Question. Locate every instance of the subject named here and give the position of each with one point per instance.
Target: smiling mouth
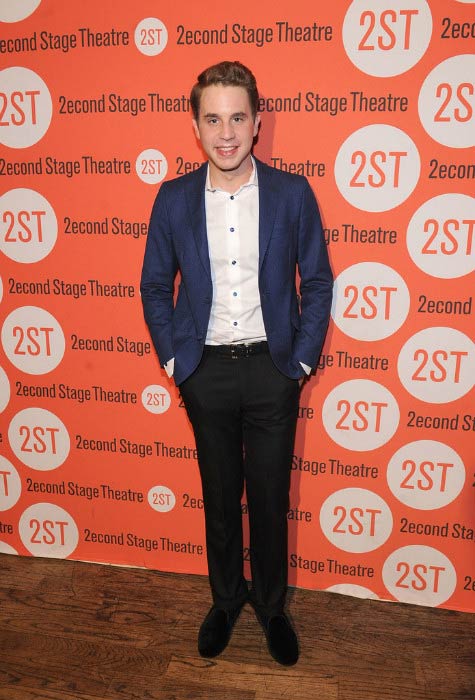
(226, 150)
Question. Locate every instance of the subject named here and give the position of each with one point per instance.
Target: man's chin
(229, 167)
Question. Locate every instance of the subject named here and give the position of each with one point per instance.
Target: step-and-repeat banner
(372, 100)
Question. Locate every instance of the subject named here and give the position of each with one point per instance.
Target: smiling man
(239, 341)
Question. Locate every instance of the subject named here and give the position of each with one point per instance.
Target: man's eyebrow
(212, 115)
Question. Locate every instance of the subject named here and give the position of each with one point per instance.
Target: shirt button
(233, 262)
(235, 323)
(234, 294)
(231, 229)
(231, 197)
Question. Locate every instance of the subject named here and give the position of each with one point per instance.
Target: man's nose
(227, 131)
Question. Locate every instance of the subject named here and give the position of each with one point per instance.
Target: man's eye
(212, 121)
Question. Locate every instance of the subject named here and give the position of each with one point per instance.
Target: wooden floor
(74, 631)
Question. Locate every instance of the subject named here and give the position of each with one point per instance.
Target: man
(238, 341)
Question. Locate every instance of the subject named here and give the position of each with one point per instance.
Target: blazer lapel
(268, 204)
(195, 197)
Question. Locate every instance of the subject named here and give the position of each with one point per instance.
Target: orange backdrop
(374, 102)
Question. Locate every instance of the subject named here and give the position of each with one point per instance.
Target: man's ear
(196, 129)
(257, 122)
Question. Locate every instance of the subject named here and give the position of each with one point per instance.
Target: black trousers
(244, 413)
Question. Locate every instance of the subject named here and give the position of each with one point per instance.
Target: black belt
(239, 349)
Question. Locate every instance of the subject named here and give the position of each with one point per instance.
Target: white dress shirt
(232, 223)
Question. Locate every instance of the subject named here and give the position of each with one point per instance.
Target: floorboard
(78, 631)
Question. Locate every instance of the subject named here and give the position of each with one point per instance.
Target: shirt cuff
(169, 367)
(306, 368)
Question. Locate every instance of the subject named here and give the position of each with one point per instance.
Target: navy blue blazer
(290, 238)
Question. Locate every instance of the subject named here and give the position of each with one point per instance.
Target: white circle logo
(371, 301)
(18, 10)
(386, 37)
(47, 530)
(28, 225)
(354, 590)
(10, 484)
(6, 548)
(420, 575)
(356, 520)
(426, 474)
(377, 167)
(33, 340)
(447, 102)
(39, 439)
(360, 415)
(161, 498)
(441, 236)
(151, 36)
(27, 107)
(437, 365)
(4, 390)
(156, 398)
(151, 166)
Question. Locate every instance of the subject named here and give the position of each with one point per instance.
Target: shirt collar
(252, 180)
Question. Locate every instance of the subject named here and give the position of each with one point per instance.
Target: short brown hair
(225, 73)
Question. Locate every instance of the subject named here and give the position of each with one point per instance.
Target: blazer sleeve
(159, 270)
(316, 282)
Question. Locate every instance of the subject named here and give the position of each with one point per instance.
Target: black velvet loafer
(281, 639)
(215, 631)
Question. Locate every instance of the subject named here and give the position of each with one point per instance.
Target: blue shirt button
(235, 323)
(234, 294)
(233, 262)
(231, 229)
(231, 197)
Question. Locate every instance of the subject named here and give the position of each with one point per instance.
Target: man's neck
(230, 181)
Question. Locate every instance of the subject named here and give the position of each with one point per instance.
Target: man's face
(226, 129)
